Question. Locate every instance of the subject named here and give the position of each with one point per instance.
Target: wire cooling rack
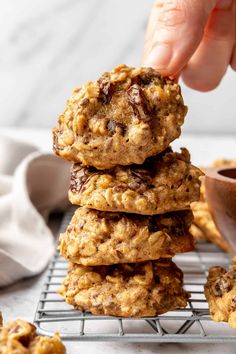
(191, 325)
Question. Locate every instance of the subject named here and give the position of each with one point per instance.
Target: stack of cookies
(133, 194)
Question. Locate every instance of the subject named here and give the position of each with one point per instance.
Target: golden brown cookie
(47, 345)
(220, 292)
(224, 163)
(122, 118)
(164, 183)
(102, 238)
(128, 290)
(19, 337)
(197, 233)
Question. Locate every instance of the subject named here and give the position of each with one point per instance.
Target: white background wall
(47, 47)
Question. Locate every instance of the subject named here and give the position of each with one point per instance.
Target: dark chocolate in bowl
(221, 197)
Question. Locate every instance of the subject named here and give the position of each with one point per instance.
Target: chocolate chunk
(150, 76)
(233, 302)
(106, 90)
(85, 140)
(106, 215)
(222, 286)
(133, 185)
(80, 176)
(141, 175)
(112, 126)
(156, 279)
(119, 254)
(139, 103)
(152, 225)
(84, 102)
(139, 180)
(120, 188)
(137, 186)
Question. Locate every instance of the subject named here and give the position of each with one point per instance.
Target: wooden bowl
(221, 197)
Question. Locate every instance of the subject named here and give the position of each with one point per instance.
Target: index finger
(174, 32)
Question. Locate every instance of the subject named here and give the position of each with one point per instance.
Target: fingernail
(224, 4)
(159, 57)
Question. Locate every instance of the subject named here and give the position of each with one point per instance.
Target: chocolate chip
(217, 289)
(106, 90)
(106, 215)
(152, 225)
(157, 279)
(80, 176)
(149, 76)
(144, 78)
(119, 254)
(222, 286)
(133, 185)
(119, 188)
(138, 102)
(233, 302)
(139, 180)
(85, 140)
(84, 102)
(140, 175)
(137, 186)
(112, 126)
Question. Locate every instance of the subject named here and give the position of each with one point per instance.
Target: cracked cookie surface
(127, 290)
(220, 292)
(121, 119)
(164, 183)
(102, 238)
(19, 337)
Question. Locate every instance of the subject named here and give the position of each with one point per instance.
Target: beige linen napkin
(32, 184)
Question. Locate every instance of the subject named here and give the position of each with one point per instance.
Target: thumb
(174, 32)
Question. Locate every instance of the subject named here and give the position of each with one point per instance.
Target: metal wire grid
(192, 324)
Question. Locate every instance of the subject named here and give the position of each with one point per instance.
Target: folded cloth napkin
(32, 184)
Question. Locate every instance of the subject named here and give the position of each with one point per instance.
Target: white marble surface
(49, 47)
(20, 300)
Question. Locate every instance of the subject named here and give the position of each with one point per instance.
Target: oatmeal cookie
(224, 163)
(122, 118)
(102, 238)
(127, 290)
(19, 337)
(164, 183)
(220, 292)
(197, 233)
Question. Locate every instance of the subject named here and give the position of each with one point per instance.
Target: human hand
(192, 38)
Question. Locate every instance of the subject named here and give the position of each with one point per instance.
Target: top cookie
(121, 119)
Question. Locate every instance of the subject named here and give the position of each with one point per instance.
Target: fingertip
(233, 59)
(233, 66)
(159, 57)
